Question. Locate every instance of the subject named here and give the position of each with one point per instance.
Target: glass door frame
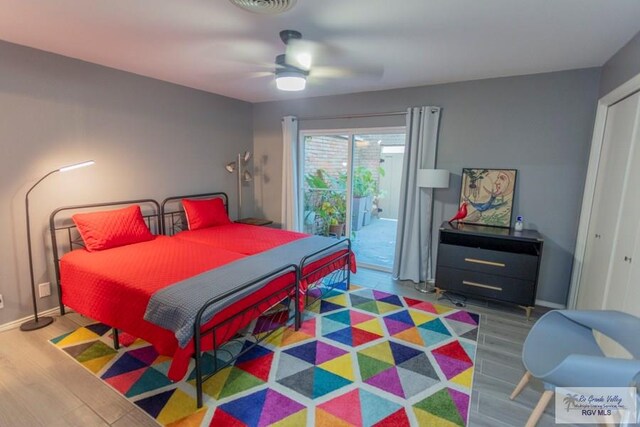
(350, 133)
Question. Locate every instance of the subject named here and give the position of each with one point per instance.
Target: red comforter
(241, 238)
(250, 240)
(114, 286)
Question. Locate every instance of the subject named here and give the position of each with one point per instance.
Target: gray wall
(148, 138)
(622, 66)
(539, 124)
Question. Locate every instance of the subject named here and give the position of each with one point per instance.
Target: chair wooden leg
(539, 409)
(523, 382)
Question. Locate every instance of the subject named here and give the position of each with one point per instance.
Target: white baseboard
(16, 323)
(550, 304)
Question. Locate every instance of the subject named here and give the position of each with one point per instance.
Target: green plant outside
(326, 197)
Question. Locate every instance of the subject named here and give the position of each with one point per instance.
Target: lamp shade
(230, 167)
(76, 166)
(433, 178)
(291, 81)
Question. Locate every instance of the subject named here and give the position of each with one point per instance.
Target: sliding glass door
(324, 186)
(350, 185)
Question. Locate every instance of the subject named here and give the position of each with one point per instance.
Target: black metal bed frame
(157, 222)
(201, 331)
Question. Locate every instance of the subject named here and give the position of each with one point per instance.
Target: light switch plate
(44, 289)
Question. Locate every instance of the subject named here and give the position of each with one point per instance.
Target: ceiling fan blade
(258, 74)
(374, 72)
(303, 53)
(242, 75)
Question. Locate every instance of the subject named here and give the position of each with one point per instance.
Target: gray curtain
(290, 212)
(413, 246)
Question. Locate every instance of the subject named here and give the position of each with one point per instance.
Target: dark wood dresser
(489, 262)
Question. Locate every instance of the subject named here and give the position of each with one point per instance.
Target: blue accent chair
(562, 351)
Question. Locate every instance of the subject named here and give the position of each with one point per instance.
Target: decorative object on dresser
(489, 262)
(430, 179)
(461, 214)
(40, 322)
(239, 166)
(489, 195)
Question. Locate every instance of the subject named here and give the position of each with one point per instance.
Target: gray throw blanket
(175, 307)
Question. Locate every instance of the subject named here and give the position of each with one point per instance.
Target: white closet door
(627, 232)
(632, 296)
(606, 203)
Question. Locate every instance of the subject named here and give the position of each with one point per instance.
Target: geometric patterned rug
(361, 358)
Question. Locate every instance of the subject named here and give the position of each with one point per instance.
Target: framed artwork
(489, 196)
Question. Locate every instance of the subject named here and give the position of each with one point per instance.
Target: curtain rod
(355, 116)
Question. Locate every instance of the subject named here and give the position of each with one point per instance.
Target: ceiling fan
(293, 67)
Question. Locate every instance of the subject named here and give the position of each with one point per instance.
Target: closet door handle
(628, 259)
(598, 236)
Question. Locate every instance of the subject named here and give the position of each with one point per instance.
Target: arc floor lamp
(42, 321)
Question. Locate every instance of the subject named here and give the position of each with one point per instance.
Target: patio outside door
(350, 187)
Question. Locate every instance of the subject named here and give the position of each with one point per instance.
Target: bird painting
(461, 214)
(490, 204)
(489, 196)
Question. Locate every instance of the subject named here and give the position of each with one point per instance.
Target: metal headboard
(172, 215)
(73, 240)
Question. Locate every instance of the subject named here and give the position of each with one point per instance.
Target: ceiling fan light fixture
(291, 81)
(266, 7)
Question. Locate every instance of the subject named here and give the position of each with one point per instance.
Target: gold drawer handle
(480, 285)
(481, 261)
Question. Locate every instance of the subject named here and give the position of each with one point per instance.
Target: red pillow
(110, 229)
(205, 213)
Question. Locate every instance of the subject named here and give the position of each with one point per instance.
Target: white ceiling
(214, 46)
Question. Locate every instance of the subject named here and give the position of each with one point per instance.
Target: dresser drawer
(519, 266)
(486, 285)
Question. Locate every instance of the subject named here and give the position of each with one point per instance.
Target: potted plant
(332, 213)
(325, 203)
(365, 188)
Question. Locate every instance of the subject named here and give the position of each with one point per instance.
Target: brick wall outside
(330, 154)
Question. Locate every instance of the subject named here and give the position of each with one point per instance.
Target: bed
(332, 269)
(117, 285)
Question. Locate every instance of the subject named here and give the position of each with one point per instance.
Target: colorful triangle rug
(362, 358)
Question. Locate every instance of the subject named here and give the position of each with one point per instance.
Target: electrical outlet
(44, 289)
(1, 301)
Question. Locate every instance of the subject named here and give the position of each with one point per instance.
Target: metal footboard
(341, 275)
(200, 330)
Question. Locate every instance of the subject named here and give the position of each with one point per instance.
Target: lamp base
(426, 289)
(34, 324)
